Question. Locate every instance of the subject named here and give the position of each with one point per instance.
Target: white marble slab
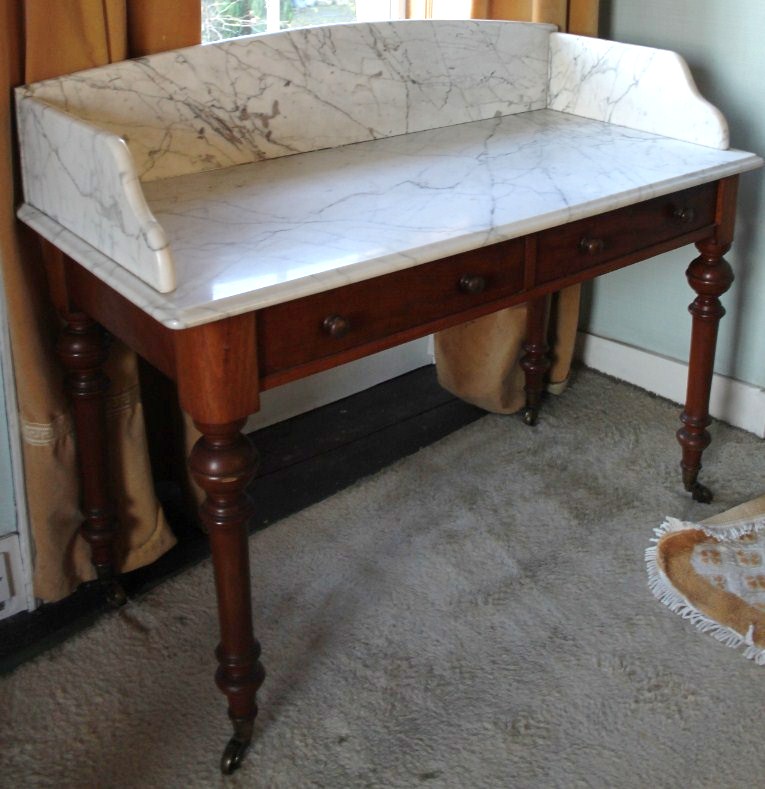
(89, 137)
(232, 176)
(259, 234)
(84, 179)
(261, 97)
(647, 89)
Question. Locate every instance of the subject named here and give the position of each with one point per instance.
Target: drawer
(329, 323)
(588, 243)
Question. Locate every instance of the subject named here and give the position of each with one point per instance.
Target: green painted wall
(645, 305)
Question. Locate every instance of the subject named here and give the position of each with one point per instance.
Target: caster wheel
(115, 594)
(530, 416)
(701, 493)
(232, 756)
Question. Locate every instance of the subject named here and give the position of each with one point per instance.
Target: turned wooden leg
(710, 276)
(223, 462)
(536, 360)
(83, 348)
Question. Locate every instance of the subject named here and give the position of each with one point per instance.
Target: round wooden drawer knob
(336, 326)
(471, 283)
(592, 246)
(685, 215)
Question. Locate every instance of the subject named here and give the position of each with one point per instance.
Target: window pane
(451, 9)
(229, 18)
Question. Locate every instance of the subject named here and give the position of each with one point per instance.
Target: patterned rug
(714, 576)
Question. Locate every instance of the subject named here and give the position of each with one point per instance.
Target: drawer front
(318, 326)
(587, 243)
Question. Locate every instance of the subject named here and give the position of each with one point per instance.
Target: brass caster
(115, 594)
(530, 416)
(233, 755)
(701, 493)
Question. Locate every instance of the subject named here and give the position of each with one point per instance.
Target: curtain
(574, 16)
(478, 361)
(43, 39)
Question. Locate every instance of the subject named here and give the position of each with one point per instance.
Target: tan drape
(575, 16)
(42, 39)
(478, 361)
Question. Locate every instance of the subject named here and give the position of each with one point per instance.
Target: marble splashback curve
(642, 88)
(84, 178)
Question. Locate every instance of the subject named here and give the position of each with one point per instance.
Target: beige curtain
(574, 16)
(42, 39)
(478, 361)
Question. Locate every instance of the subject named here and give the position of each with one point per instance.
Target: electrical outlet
(12, 598)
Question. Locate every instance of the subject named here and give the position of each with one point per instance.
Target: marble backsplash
(262, 97)
(642, 88)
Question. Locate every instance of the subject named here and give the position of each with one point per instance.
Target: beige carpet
(475, 616)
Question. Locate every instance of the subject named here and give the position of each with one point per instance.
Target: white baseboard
(731, 401)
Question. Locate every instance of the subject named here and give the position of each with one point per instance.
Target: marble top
(250, 236)
(214, 180)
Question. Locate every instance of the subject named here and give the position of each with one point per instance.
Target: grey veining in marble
(266, 96)
(84, 179)
(250, 236)
(408, 142)
(647, 89)
(232, 103)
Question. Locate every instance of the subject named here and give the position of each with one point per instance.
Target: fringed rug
(714, 576)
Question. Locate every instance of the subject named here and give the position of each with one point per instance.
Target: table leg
(223, 462)
(710, 276)
(536, 360)
(83, 349)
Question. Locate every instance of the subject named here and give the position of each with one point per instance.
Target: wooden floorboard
(303, 460)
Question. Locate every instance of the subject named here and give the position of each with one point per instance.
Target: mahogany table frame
(219, 377)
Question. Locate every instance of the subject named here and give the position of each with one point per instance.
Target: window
(229, 18)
